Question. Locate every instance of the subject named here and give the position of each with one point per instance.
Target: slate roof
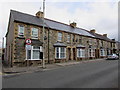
(80, 46)
(30, 19)
(101, 37)
(36, 42)
(57, 44)
(25, 18)
(67, 28)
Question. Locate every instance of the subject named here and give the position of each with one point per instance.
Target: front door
(74, 54)
(69, 53)
(97, 53)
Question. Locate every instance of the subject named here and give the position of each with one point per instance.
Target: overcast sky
(101, 15)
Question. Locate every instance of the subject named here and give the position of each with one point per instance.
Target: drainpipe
(48, 46)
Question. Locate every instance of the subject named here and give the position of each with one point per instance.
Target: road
(97, 74)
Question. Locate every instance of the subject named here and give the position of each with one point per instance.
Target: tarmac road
(97, 74)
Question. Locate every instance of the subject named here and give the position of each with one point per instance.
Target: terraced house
(62, 42)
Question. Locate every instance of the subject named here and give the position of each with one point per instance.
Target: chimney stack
(39, 14)
(113, 39)
(92, 31)
(73, 24)
(105, 35)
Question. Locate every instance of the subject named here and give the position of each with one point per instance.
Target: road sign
(28, 47)
(28, 41)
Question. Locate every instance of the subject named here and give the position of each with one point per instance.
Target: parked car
(112, 57)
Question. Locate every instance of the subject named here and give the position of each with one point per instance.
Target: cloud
(103, 16)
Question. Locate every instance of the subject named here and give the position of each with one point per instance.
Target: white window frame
(32, 53)
(81, 52)
(20, 28)
(60, 53)
(90, 42)
(68, 38)
(102, 52)
(60, 36)
(34, 36)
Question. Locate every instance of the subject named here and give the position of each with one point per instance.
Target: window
(60, 52)
(28, 54)
(80, 40)
(80, 52)
(76, 39)
(20, 30)
(91, 52)
(95, 41)
(90, 42)
(108, 51)
(101, 42)
(35, 53)
(102, 52)
(59, 36)
(68, 38)
(34, 33)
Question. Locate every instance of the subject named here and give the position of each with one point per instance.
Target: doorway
(97, 53)
(74, 54)
(69, 53)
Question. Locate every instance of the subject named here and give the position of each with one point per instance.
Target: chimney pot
(73, 24)
(105, 35)
(92, 31)
(113, 39)
(39, 14)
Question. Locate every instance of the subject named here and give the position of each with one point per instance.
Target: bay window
(80, 52)
(34, 33)
(35, 53)
(60, 52)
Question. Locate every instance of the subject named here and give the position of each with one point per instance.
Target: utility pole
(43, 61)
(2, 48)
(3, 43)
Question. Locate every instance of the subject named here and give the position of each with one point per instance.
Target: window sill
(21, 37)
(80, 57)
(35, 38)
(33, 59)
(59, 58)
(59, 41)
(68, 42)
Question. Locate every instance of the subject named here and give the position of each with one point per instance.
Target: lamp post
(43, 61)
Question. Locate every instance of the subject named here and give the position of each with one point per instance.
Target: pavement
(29, 69)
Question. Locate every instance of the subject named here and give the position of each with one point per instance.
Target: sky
(101, 15)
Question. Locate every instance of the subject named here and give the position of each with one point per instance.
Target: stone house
(62, 42)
